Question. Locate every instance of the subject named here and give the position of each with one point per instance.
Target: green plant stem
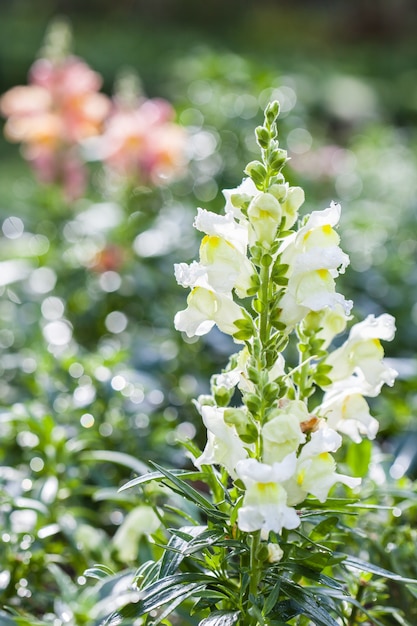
(356, 610)
(255, 572)
(264, 315)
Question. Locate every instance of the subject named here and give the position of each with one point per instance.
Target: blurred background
(95, 381)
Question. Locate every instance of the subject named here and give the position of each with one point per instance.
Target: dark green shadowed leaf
(309, 605)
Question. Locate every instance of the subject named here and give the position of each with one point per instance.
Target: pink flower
(60, 108)
(143, 142)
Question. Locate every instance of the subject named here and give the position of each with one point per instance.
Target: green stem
(264, 315)
(356, 610)
(255, 572)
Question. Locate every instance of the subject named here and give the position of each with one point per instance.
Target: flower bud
(256, 170)
(264, 214)
(275, 553)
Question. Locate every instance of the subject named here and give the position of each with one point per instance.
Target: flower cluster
(60, 111)
(142, 142)
(268, 278)
(52, 115)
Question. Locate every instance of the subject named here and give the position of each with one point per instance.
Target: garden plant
(138, 486)
(261, 541)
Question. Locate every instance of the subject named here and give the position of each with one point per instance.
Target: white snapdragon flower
(265, 502)
(224, 447)
(222, 268)
(275, 553)
(227, 267)
(316, 468)
(205, 309)
(347, 411)
(246, 188)
(265, 214)
(310, 291)
(326, 323)
(318, 232)
(315, 260)
(223, 226)
(290, 199)
(282, 433)
(362, 354)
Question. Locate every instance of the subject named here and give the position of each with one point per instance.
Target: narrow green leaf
(272, 599)
(310, 606)
(175, 550)
(190, 493)
(120, 458)
(99, 572)
(173, 605)
(324, 527)
(221, 618)
(364, 566)
(167, 590)
(148, 477)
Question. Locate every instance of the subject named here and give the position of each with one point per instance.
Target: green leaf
(99, 572)
(172, 606)
(271, 600)
(359, 456)
(120, 458)
(324, 528)
(364, 566)
(151, 476)
(221, 618)
(167, 590)
(190, 493)
(175, 551)
(309, 606)
(243, 335)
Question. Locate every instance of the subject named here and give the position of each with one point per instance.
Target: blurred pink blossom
(60, 108)
(143, 143)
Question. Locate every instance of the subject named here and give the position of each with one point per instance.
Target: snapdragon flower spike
(267, 285)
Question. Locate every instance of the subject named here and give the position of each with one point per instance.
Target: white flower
(310, 291)
(206, 308)
(223, 226)
(294, 199)
(316, 244)
(346, 410)
(224, 447)
(139, 522)
(193, 275)
(227, 267)
(222, 268)
(275, 553)
(290, 199)
(315, 260)
(264, 213)
(316, 468)
(326, 323)
(246, 188)
(362, 354)
(282, 433)
(265, 502)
